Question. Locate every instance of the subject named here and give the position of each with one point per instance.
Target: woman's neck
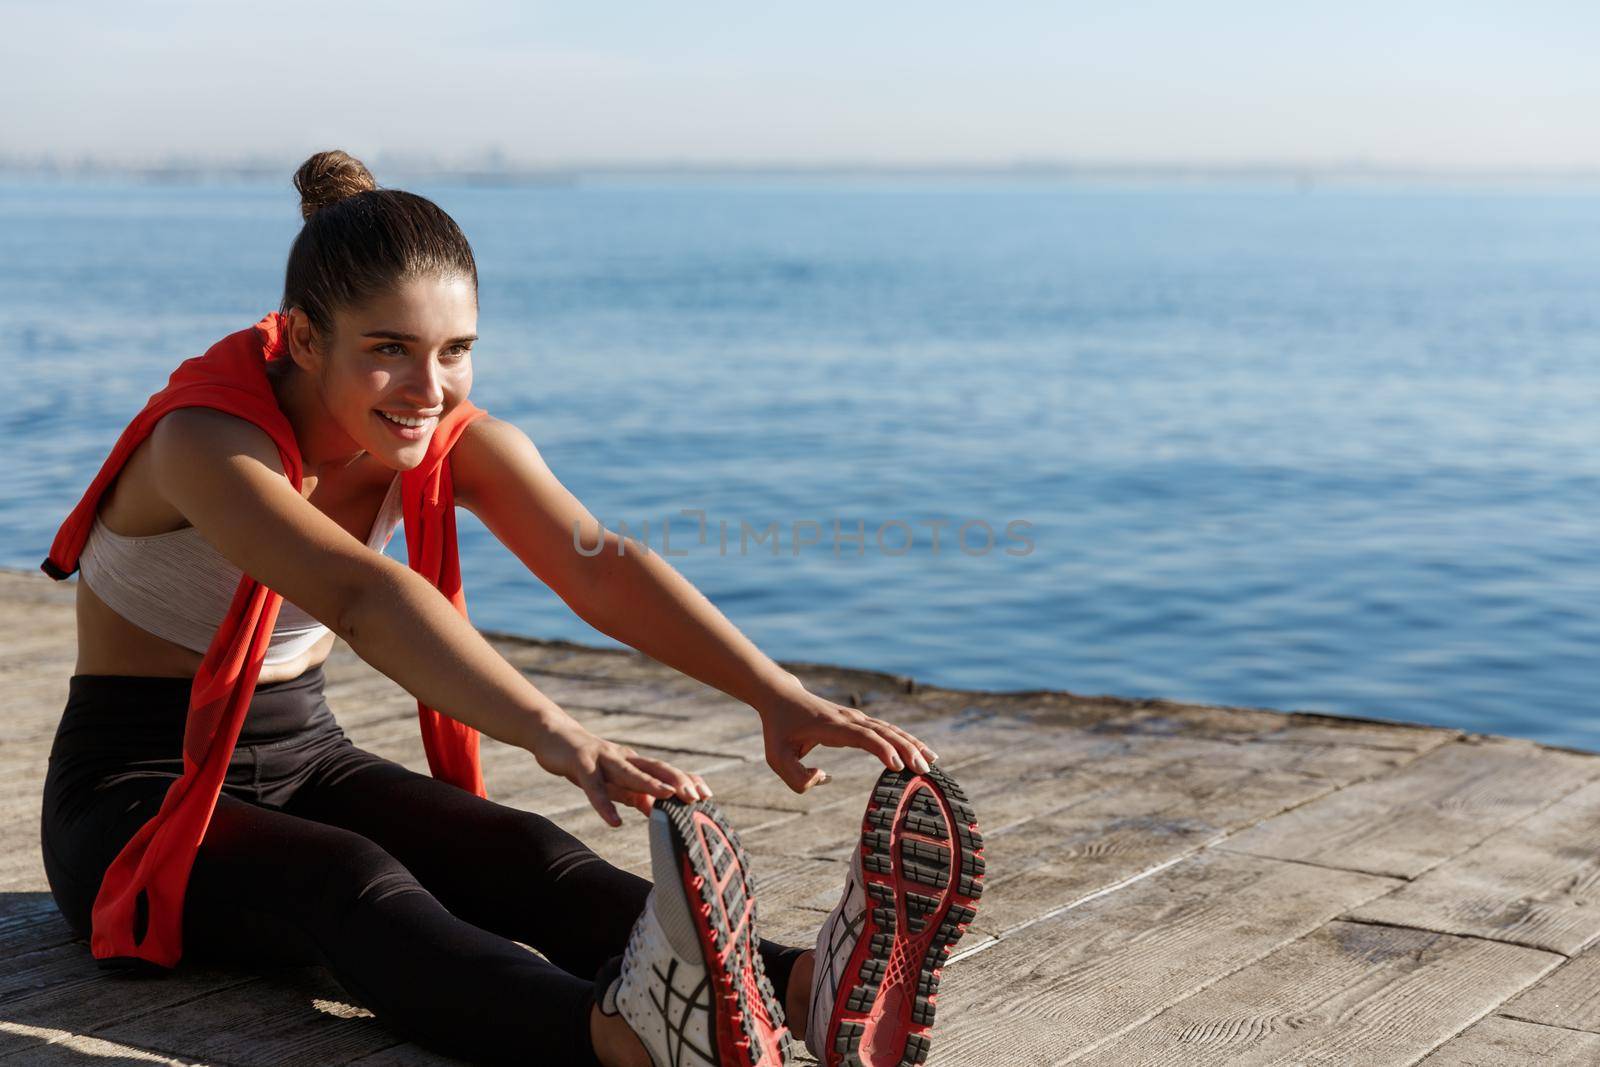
(325, 449)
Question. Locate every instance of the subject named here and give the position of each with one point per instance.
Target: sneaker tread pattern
(922, 858)
(746, 1017)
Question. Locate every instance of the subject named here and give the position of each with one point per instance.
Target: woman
(411, 889)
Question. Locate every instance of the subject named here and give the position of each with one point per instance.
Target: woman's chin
(401, 459)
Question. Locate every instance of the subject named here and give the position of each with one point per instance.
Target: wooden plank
(585, 662)
(368, 697)
(31, 585)
(297, 1015)
(1501, 1042)
(1091, 805)
(722, 735)
(1066, 983)
(1331, 732)
(62, 987)
(37, 644)
(1050, 710)
(59, 608)
(30, 922)
(1536, 883)
(687, 699)
(1112, 829)
(22, 769)
(1437, 806)
(33, 711)
(1130, 826)
(29, 666)
(1013, 774)
(47, 689)
(1349, 752)
(596, 692)
(1065, 833)
(21, 618)
(21, 863)
(1344, 993)
(407, 1055)
(43, 1046)
(1570, 997)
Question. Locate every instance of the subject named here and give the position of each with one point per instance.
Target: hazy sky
(1425, 83)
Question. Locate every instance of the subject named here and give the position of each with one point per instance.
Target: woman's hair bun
(328, 177)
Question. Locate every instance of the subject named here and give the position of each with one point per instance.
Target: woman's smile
(407, 427)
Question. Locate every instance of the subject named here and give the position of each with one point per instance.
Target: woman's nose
(427, 387)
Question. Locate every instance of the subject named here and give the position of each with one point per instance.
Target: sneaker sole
(715, 874)
(922, 862)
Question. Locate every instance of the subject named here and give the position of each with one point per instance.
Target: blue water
(1331, 450)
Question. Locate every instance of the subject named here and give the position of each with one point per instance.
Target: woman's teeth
(403, 421)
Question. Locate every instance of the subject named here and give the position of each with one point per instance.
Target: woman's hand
(797, 720)
(607, 771)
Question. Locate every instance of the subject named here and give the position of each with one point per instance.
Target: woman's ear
(303, 342)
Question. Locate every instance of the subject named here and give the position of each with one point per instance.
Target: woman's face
(404, 355)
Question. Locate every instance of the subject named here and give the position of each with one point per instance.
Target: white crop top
(178, 587)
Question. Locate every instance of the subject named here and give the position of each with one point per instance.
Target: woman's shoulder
(188, 427)
(134, 505)
(188, 436)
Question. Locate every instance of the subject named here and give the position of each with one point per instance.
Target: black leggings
(408, 889)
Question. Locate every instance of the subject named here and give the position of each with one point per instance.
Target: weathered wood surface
(1168, 883)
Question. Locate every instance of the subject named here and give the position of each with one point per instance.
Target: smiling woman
(387, 370)
(238, 527)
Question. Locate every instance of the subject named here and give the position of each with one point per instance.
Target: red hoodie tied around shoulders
(138, 912)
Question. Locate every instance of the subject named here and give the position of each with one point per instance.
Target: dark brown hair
(359, 240)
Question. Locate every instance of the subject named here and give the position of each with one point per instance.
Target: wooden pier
(1168, 883)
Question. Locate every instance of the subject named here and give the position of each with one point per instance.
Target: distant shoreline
(1302, 176)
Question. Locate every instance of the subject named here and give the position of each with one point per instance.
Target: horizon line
(500, 170)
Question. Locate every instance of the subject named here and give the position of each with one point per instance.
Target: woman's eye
(459, 352)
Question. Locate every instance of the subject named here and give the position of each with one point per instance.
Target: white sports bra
(178, 586)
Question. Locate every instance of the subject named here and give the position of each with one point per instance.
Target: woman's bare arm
(638, 598)
(225, 476)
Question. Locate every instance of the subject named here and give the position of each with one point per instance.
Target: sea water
(1331, 450)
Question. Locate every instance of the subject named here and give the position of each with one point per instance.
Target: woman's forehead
(430, 308)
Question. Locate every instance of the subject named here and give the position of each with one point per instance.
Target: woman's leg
(510, 871)
(262, 875)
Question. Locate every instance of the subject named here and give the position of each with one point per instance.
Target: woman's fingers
(593, 784)
(908, 753)
(796, 775)
(859, 735)
(861, 728)
(638, 781)
(626, 774)
(907, 746)
(636, 790)
(641, 802)
(684, 784)
(914, 752)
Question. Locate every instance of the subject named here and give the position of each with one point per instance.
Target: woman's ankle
(798, 996)
(615, 1043)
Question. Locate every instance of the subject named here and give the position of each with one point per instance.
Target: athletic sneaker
(692, 985)
(920, 864)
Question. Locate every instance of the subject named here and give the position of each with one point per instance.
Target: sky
(1401, 83)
